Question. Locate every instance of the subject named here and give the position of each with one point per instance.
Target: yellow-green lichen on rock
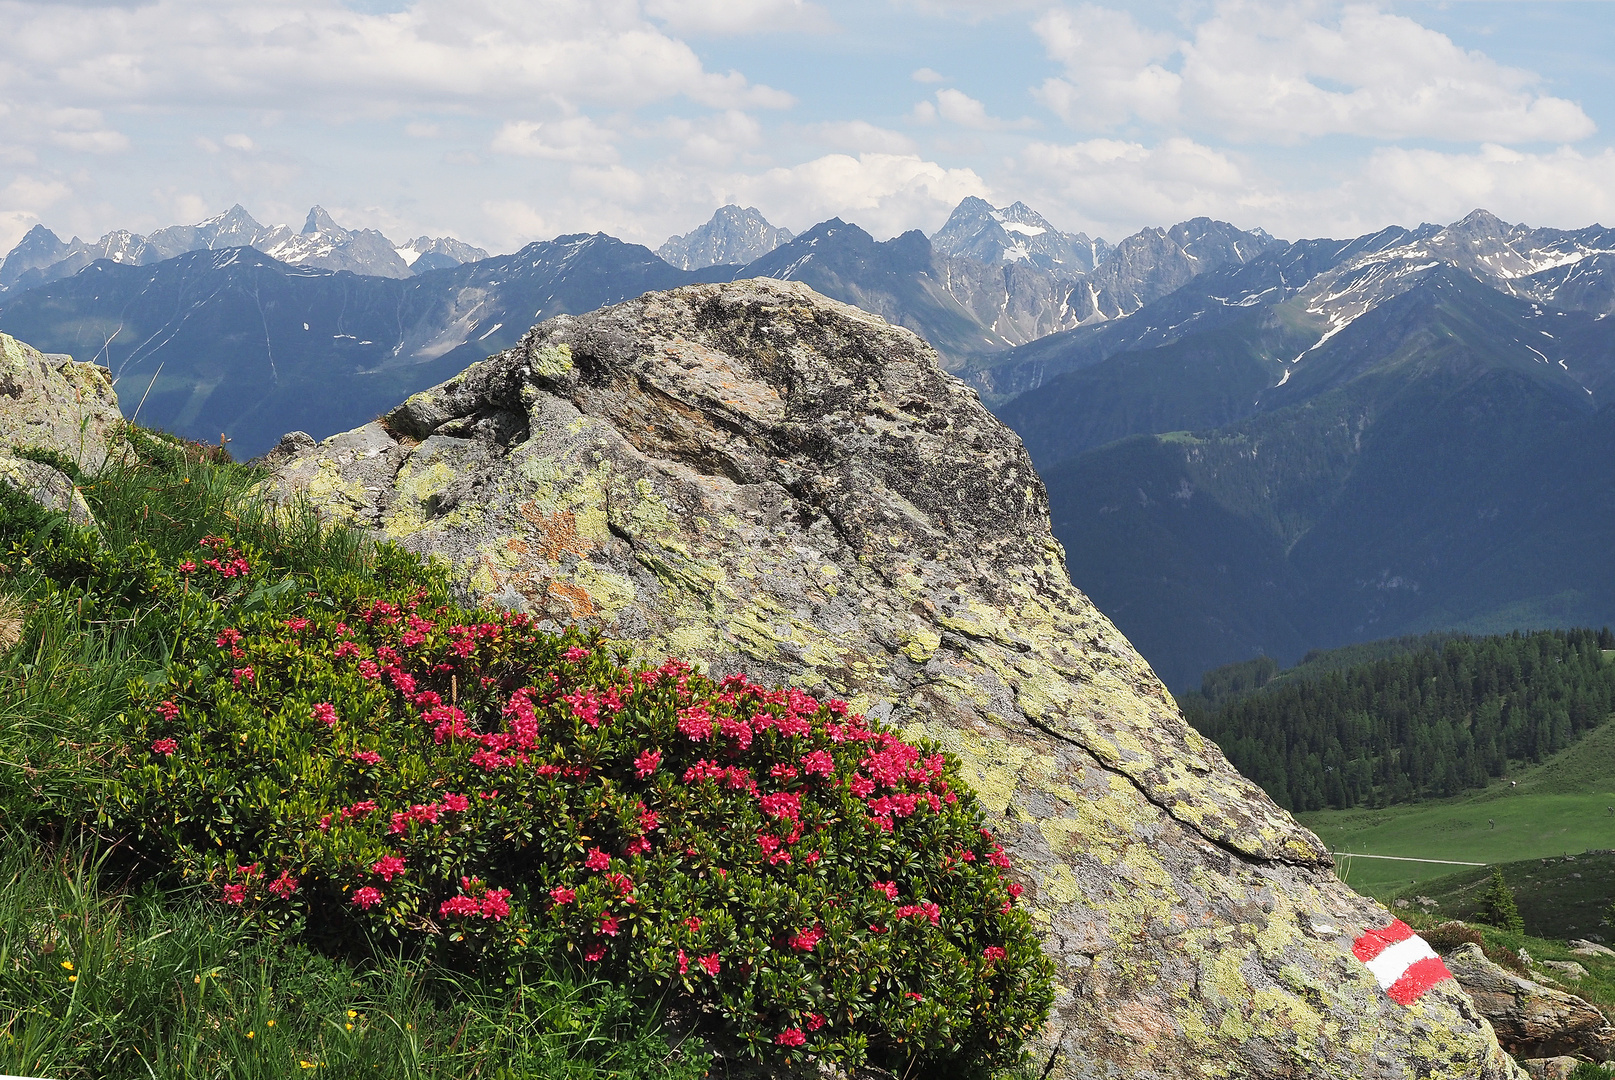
(756, 478)
(55, 403)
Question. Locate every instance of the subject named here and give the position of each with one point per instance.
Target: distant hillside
(1340, 442)
(1560, 896)
(237, 342)
(1431, 720)
(731, 237)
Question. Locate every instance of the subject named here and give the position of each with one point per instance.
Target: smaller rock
(1401, 903)
(1568, 967)
(1531, 1020)
(53, 402)
(50, 488)
(291, 444)
(1583, 947)
(1551, 1068)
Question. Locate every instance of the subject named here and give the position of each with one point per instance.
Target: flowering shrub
(357, 752)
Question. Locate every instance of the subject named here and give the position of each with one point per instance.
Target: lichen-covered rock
(1552, 1068)
(1531, 1020)
(55, 403)
(47, 486)
(757, 478)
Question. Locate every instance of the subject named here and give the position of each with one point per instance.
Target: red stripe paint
(1374, 942)
(1420, 976)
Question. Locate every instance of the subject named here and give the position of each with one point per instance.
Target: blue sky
(505, 121)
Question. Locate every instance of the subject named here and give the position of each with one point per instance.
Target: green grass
(1561, 898)
(99, 983)
(106, 977)
(1559, 807)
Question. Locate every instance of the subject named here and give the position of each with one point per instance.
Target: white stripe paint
(1389, 965)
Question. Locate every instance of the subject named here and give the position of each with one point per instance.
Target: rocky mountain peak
(754, 477)
(38, 248)
(438, 253)
(978, 230)
(1481, 222)
(318, 221)
(233, 222)
(732, 236)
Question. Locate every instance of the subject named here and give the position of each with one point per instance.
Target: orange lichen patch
(518, 546)
(578, 602)
(555, 534)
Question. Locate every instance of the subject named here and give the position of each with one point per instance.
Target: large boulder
(1531, 1020)
(55, 403)
(756, 478)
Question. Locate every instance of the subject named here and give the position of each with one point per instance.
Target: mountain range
(1251, 446)
(1338, 441)
(43, 257)
(253, 331)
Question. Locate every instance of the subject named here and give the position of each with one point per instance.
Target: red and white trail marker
(1404, 965)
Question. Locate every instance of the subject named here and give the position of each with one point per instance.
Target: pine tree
(1497, 907)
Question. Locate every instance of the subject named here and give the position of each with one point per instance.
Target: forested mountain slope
(1432, 721)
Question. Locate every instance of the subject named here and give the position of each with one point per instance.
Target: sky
(506, 121)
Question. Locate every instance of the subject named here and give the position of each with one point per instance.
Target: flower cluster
(808, 882)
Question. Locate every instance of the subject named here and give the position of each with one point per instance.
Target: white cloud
(1270, 72)
(91, 142)
(860, 135)
(613, 184)
(517, 220)
(419, 129)
(884, 193)
(1111, 186)
(186, 206)
(21, 203)
(83, 130)
(716, 139)
(926, 75)
(957, 107)
(971, 11)
(576, 139)
(239, 142)
(727, 17)
(1113, 68)
(321, 53)
(1563, 188)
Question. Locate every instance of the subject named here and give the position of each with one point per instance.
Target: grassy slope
(101, 979)
(1562, 897)
(1558, 807)
(105, 979)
